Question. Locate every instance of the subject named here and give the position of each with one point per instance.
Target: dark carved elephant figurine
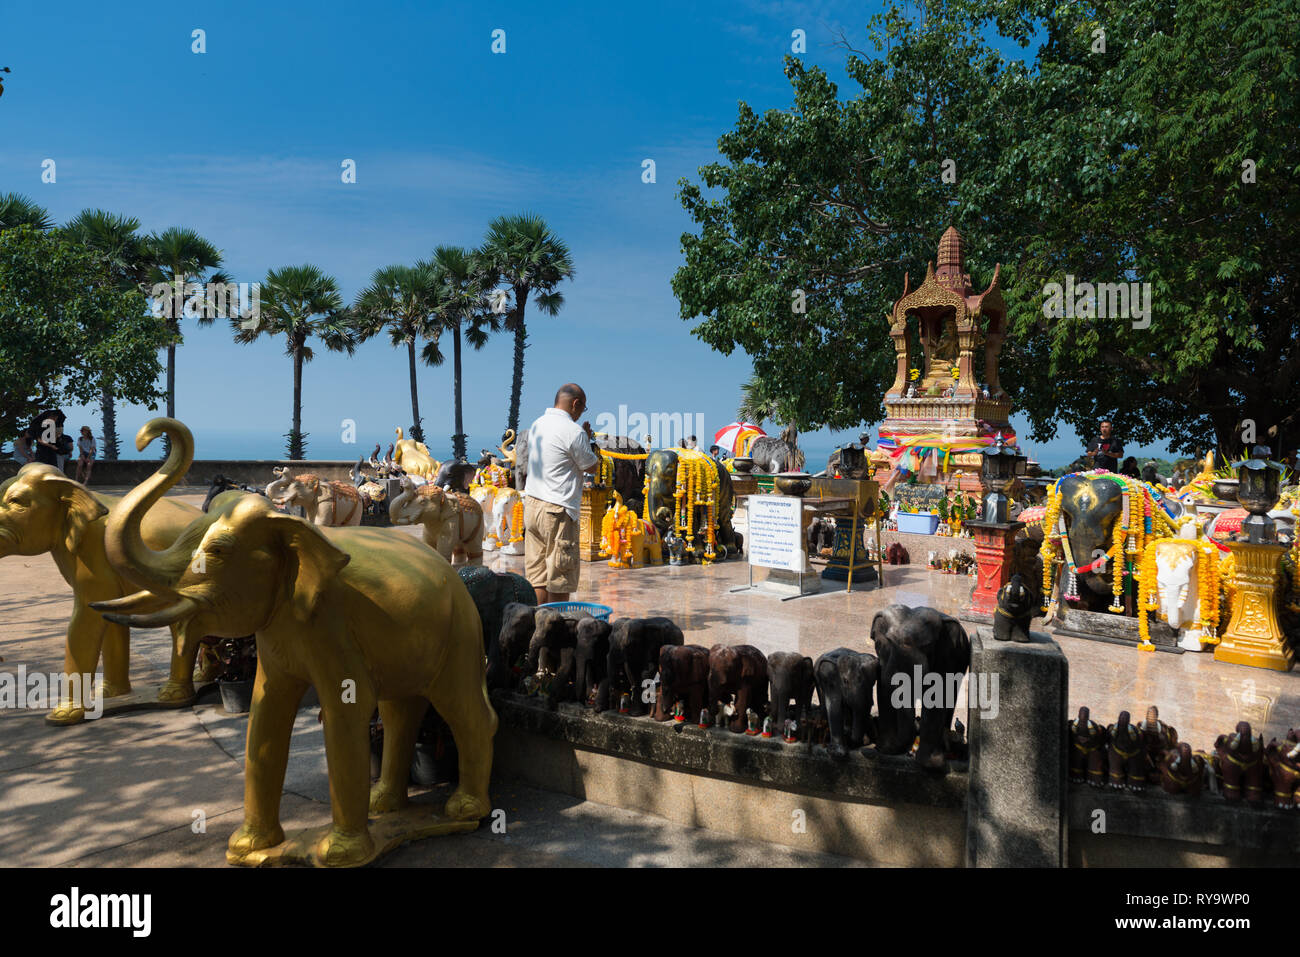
(907, 640)
(1015, 611)
(1128, 756)
(845, 680)
(1087, 750)
(1091, 506)
(1239, 761)
(1182, 772)
(492, 593)
(739, 670)
(661, 487)
(1158, 739)
(517, 625)
(790, 675)
(555, 636)
(634, 645)
(1284, 767)
(590, 657)
(683, 676)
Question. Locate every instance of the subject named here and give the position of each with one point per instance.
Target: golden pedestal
(595, 501)
(1253, 636)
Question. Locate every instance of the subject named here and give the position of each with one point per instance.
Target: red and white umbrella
(736, 438)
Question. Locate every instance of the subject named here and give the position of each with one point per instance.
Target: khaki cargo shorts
(550, 546)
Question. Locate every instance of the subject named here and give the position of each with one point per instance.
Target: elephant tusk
(167, 616)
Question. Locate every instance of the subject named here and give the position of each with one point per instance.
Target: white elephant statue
(485, 496)
(332, 504)
(1177, 590)
(508, 532)
(453, 521)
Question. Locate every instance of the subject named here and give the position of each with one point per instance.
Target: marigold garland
(517, 521)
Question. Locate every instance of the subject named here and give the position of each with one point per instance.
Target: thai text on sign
(776, 532)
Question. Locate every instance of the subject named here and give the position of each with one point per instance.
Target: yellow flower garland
(517, 521)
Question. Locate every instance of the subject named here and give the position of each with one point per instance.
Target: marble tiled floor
(1199, 696)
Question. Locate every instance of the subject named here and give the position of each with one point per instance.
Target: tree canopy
(1116, 156)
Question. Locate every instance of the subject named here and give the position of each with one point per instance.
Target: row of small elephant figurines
(640, 662)
(1131, 756)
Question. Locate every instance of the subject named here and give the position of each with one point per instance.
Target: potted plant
(238, 660)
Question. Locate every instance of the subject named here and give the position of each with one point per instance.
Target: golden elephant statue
(42, 510)
(323, 502)
(629, 540)
(453, 521)
(413, 457)
(364, 616)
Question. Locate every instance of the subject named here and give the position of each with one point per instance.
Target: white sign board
(775, 531)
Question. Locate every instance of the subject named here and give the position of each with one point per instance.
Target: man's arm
(584, 449)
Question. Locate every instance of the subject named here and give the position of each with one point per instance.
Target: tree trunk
(521, 342)
(296, 444)
(109, 410)
(417, 431)
(458, 440)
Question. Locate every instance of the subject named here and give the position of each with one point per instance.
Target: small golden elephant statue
(364, 616)
(413, 457)
(42, 510)
(628, 540)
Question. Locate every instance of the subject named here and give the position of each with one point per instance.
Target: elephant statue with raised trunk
(324, 503)
(453, 521)
(413, 457)
(42, 510)
(661, 502)
(1284, 769)
(1239, 764)
(1129, 763)
(918, 646)
(366, 617)
(1087, 761)
(1182, 772)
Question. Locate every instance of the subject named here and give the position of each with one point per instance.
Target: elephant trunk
(123, 543)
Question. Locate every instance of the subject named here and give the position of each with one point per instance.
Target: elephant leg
(473, 547)
(401, 720)
(740, 722)
(115, 646)
(463, 704)
(266, 750)
(347, 755)
(1097, 767)
(935, 722)
(636, 707)
(1255, 783)
(859, 725)
(80, 657)
(834, 719)
(180, 678)
(897, 721)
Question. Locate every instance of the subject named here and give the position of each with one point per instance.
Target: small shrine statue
(1158, 738)
(1182, 772)
(1015, 611)
(1239, 764)
(679, 713)
(1087, 751)
(751, 717)
(767, 727)
(624, 703)
(705, 720)
(790, 735)
(1128, 757)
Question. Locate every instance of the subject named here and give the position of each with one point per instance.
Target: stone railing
(128, 472)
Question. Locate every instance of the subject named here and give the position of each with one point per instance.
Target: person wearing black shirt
(1105, 450)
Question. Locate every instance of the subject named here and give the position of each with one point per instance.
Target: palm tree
(17, 210)
(530, 259)
(756, 402)
(179, 256)
(299, 302)
(463, 279)
(117, 241)
(401, 300)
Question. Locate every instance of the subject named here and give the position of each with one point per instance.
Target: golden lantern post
(1253, 636)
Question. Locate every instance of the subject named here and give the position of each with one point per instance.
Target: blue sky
(244, 143)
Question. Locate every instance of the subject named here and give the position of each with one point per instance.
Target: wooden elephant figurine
(364, 616)
(683, 676)
(1284, 770)
(1087, 750)
(634, 645)
(551, 649)
(1158, 738)
(1127, 755)
(790, 678)
(845, 680)
(1181, 771)
(590, 657)
(518, 622)
(42, 510)
(453, 521)
(739, 670)
(324, 503)
(1239, 763)
(493, 593)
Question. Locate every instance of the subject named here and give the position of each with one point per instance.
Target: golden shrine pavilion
(936, 404)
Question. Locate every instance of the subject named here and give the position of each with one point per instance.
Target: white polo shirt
(558, 453)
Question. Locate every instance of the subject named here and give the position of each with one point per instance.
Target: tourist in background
(85, 455)
(1104, 450)
(23, 453)
(46, 431)
(1130, 468)
(559, 452)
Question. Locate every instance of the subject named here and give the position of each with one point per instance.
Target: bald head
(571, 400)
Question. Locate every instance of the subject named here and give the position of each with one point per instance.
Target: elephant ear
(80, 508)
(314, 562)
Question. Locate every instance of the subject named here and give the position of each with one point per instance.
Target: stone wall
(256, 472)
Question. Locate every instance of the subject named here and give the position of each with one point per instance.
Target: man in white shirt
(559, 451)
